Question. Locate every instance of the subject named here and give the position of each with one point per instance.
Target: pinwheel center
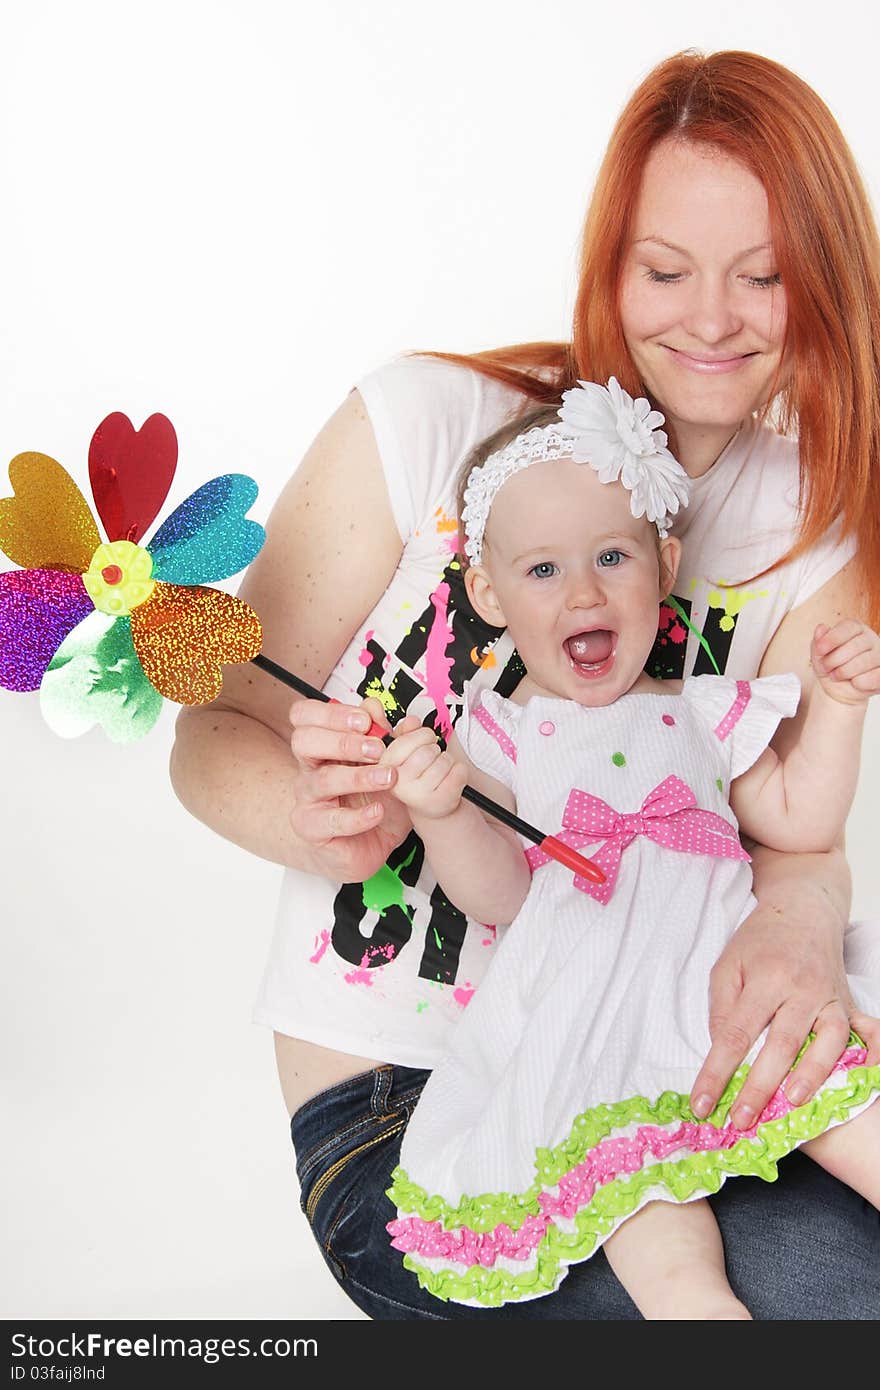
(119, 577)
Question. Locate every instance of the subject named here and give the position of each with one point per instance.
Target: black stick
(556, 849)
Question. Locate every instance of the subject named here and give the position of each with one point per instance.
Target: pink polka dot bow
(669, 815)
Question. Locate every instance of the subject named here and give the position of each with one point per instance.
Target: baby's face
(575, 577)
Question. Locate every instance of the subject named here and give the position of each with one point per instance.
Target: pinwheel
(105, 629)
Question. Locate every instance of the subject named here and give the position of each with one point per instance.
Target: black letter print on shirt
(382, 894)
(667, 658)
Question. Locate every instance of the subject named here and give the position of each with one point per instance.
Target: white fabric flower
(620, 439)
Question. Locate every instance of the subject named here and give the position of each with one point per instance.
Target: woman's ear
(670, 559)
(478, 586)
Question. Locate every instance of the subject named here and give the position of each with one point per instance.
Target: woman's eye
(663, 277)
(545, 570)
(765, 282)
(609, 558)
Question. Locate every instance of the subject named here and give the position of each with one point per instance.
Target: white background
(227, 212)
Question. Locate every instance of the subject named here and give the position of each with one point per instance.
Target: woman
(729, 260)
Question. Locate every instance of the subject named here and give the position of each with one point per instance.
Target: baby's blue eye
(545, 570)
(609, 558)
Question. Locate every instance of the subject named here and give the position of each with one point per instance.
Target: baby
(559, 1121)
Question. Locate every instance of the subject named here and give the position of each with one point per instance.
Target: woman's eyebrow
(670, 246)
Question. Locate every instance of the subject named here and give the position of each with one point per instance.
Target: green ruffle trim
(696, 1175)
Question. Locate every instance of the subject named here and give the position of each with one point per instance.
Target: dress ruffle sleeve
(488, 730)
(743, 715)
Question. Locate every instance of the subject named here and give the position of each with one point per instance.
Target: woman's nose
(711, 315)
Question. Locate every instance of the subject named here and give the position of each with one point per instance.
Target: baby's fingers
(408, 743)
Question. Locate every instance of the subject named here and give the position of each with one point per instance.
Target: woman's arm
(331, 549)
(784, 966)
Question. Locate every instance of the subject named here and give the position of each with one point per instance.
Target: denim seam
(407, 1307)
(329, 1142)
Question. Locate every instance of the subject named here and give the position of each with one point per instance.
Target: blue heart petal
(208, 537)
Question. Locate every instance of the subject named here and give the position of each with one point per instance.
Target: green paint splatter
(377, 690)
(420, 1008)
(719, 784)
(437, 939)
(385, 889)
(618, 760)
(674, 604)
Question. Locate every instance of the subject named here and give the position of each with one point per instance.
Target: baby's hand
(846, 660)
(429, 781)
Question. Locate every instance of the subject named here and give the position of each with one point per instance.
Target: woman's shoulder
(435, 384)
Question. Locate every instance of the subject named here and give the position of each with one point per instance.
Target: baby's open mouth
(590, 652)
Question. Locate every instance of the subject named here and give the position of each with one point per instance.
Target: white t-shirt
(384, 969)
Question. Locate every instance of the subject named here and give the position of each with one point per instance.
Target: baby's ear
(670, 559)
(481, 593)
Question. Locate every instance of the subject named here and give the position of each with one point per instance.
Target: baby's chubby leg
(670, 1259)
(851, 1152)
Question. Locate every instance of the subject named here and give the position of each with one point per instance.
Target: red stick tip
(564, 854)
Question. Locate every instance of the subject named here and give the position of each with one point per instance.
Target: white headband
(602, 426)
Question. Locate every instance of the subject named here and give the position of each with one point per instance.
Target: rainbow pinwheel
(105, 629)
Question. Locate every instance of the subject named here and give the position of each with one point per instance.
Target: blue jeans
(803, 1248)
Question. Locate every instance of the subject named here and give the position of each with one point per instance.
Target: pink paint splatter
(365, 656)
(464, 994)
(677, 633)
(490, 940)
(364, 973)
(437, 663)
(321, 944)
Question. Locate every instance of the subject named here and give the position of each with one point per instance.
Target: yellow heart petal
(47, 524)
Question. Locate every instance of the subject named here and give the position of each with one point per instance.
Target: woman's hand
(785, 969)
(343, 805)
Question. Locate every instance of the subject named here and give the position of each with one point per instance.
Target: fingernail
(744, 1116)
(372, 748)
(380, 776)
(359, 722)
(796, 1092)
(702, 1106)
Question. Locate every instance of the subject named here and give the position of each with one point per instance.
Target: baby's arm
(800, 802)
(479, 862)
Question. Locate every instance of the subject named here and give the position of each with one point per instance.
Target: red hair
(827, 251)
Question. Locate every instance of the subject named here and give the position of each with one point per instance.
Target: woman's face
(702, 308)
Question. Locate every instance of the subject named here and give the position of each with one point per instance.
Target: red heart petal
(131, 471)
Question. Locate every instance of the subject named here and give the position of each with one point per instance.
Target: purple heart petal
(38, 608)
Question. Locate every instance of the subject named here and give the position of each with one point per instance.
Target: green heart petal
(95, 677)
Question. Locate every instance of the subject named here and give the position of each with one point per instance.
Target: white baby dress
(562, 1105)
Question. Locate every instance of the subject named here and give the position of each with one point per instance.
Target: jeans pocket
(337, 1195)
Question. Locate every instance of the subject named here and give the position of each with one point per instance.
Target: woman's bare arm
(784, 966)
(331, 549)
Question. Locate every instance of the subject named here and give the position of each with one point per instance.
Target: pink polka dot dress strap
(736, 711)
(504, 741)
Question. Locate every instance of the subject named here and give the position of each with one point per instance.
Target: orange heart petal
(183, 635)
(47, 524)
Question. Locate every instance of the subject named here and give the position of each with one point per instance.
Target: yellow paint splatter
(733, 601)
(378, 692)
